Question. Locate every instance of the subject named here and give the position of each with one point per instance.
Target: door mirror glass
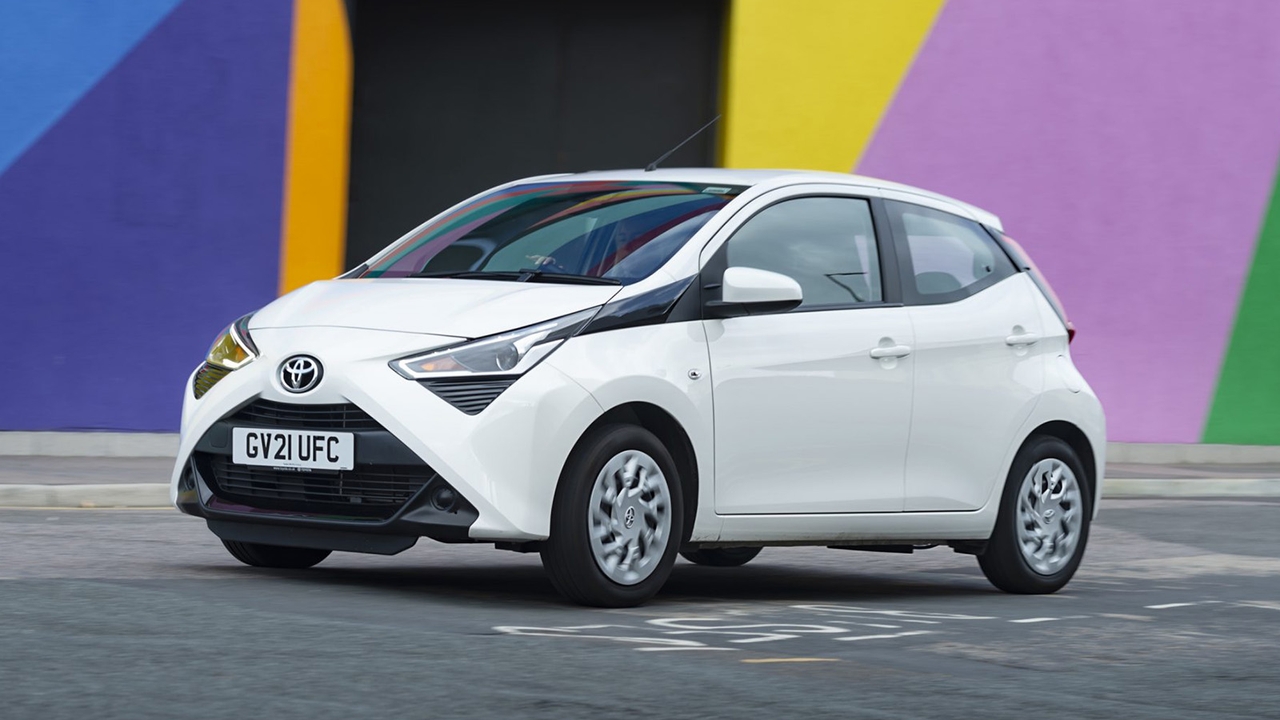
(751, 291)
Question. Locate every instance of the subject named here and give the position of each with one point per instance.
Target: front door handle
(1022, 339)
(893, 351)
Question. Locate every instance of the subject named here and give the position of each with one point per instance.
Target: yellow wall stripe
(315, 190)
(807, 81)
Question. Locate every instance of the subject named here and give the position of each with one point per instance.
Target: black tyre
(274, 556)
(1043, 525)
(617, 521)
(721, 557)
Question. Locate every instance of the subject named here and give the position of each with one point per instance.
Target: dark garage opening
(451, 98)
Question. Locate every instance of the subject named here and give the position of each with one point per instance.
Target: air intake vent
(343, 416)
(206, 377)
(470, 395)
(374, 491)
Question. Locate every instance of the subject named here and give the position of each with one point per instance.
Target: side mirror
(751, 291)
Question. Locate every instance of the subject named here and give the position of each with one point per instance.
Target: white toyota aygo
(614, 368)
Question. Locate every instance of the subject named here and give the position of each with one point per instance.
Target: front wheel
(274, 556)
(1043, 524)
(617, 520)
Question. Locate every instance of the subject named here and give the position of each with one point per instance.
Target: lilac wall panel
(146, 218)
(1130, 146)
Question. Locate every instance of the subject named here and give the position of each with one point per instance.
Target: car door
(812, 405)
(978, 364)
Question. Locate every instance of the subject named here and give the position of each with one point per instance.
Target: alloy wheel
(1049, 516)
(629, 517)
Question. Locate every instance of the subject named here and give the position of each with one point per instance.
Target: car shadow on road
(523, 583)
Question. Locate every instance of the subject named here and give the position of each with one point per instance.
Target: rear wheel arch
(1075, 437)
(672, 435)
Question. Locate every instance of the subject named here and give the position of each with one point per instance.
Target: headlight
(234, 348)
(511, 353)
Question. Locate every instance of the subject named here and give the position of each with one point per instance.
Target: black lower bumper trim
(318, 538)
(436, 510)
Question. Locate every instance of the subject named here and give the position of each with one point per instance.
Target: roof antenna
(654, 165)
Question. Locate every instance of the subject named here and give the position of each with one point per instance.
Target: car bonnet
(437, 306)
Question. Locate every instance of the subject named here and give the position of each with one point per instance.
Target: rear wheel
(617, 520)
(722, 557)
(1043, 525)
(274, 556)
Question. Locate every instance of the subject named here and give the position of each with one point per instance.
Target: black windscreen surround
(452, 98)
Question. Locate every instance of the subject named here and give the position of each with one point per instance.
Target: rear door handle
(894, 351)
(1022, 339)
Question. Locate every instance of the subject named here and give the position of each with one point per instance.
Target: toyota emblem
(300, 373)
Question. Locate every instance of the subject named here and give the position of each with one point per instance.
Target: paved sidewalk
(84, 482)
(1131, 470)
(44, 470)
(43, 481)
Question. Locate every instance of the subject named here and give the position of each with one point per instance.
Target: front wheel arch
(672, 435)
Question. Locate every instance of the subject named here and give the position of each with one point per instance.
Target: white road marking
(752, 633)
(862, 624)
(1263, 604)
(657, 644)
(886, 637)
(1035, 620)
(1166, 606)
(911, 616)
(789, 660)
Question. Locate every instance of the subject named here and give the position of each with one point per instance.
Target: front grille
(372, 491)
(470, 395)
(337, 416)
(206, 377)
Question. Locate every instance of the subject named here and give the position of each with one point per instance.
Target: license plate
(299, 449)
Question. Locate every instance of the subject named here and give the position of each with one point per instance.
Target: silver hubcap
(1049, 516)
(630, 517)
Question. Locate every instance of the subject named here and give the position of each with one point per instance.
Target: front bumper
(418, 517)
(503, 463)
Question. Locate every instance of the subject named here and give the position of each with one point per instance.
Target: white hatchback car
(612, 368)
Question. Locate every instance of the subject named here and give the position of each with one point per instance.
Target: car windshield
(617, 231)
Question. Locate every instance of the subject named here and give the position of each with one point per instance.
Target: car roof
(749, 177)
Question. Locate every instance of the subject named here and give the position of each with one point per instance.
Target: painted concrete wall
(140, 207)
(1129, 145)
(166, 165)
(143, 179)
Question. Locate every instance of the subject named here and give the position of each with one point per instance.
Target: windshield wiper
(523, 275)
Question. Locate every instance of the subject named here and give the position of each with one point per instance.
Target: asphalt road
(141, 614)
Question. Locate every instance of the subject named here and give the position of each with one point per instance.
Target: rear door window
(947, 257)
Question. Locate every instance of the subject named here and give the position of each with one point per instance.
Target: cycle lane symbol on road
(649, 643)
(676, 633)
(732, 629)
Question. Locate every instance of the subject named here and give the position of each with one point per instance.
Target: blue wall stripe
(52, 52)
(144, 220)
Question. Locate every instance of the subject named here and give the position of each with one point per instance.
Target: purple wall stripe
(1129, 146)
